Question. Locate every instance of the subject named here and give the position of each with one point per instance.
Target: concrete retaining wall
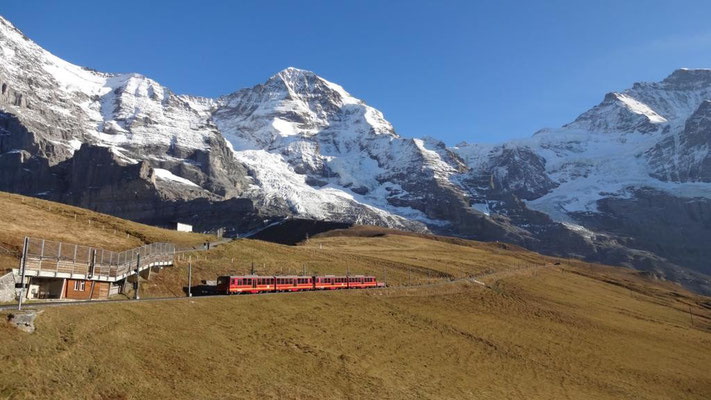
(7, 287)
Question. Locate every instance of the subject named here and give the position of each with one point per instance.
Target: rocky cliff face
(627, 182)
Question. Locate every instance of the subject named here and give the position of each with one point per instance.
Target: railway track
(474, 279)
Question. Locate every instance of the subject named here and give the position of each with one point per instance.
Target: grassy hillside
(539, 333)
(26, 216)
(532, 327)
(399, 258)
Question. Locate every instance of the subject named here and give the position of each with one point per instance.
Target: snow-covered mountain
(628, 182)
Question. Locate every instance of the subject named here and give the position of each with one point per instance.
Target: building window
(79, 286)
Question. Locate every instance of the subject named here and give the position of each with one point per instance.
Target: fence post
(92, 263)
(190, 279)
(23, 261)
(41, 255)
(138, 266)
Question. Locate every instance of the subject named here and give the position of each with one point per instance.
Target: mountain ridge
(299, 145)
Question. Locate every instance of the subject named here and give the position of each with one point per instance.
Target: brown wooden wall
(101, 290)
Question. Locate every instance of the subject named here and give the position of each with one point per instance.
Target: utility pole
(691, 316)
(23, 261)
(136, 284)
(190, 279)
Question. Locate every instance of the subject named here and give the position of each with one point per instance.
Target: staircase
(51, 259)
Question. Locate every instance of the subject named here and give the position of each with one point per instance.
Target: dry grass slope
(532, 329)
(542, 334)
(400, 258)
(26, 216)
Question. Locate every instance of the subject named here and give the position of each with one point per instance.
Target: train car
(324, 282)
(339, 282)
(245, 284)
(294, 283)
(344, 282)
(234, 284)
(291, 283)
(361, 282)
(265, 284)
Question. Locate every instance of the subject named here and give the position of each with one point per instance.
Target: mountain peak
(291, 74)
(295, 71)
(300, 82)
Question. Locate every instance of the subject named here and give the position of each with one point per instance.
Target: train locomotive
(291, 283)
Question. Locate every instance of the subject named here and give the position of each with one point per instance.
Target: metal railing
(93, 263)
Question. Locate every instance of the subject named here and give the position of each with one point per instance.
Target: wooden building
(80, 289)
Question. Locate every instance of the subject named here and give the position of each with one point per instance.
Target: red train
(291, 283)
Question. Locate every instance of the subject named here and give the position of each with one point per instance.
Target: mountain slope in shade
(627, 182)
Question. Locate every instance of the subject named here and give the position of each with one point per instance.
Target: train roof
(296, 276)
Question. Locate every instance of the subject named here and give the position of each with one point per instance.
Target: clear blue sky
(474, 71)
